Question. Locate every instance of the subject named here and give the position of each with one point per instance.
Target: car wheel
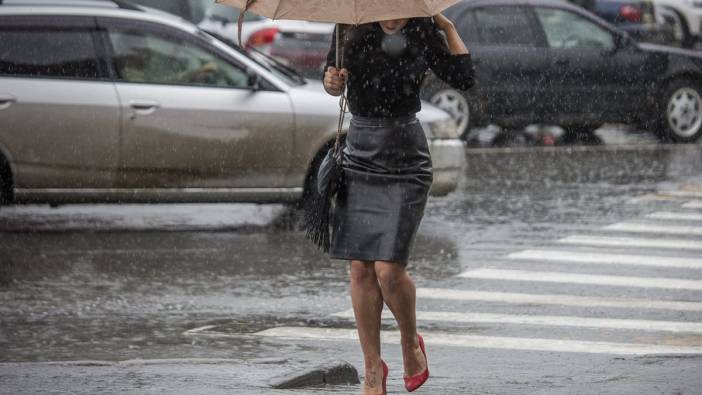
(681, 118)
(456, 104)
(5, 182)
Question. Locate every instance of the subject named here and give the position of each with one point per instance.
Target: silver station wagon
(104, 101)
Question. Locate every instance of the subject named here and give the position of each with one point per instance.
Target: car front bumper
(448, 160)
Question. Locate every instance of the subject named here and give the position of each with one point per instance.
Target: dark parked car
(550, 62)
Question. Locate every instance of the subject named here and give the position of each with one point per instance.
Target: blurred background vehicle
(101, 101)
(551, 62)
(301, 45)
(221, 21)
(638, 18)
(191, 10)
(686, 18)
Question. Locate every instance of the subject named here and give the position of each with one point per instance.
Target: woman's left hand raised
(442, 22)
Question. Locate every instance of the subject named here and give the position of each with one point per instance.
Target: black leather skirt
(388, 174)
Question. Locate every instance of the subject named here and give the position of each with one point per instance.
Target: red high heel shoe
(385, 377)
(416, 381)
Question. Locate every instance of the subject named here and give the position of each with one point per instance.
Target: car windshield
(277, 66)
(273, 66)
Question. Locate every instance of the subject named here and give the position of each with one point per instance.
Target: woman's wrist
(448, 27)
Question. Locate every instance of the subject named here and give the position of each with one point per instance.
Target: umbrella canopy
(351, 12)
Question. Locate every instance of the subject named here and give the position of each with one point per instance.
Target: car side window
(565, 29)
(143, 56)
(467, 28)
(48, 52)
(505, 25)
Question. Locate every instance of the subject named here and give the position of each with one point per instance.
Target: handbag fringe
(316, 218)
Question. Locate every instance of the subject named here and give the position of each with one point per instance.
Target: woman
(387, 170)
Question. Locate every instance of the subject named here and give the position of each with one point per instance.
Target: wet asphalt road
(127, 283)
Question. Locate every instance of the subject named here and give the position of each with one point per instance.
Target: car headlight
(444, 129)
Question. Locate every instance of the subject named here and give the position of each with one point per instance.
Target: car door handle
(6, 101)
(143, 104)
(143, 107)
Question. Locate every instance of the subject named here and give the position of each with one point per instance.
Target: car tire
(5, 182)
(680, 112)
(457, 104)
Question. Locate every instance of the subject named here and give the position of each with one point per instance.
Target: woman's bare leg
(367, 304)
(400, 295)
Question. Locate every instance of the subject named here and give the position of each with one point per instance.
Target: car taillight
(631, 13)
(262, 37)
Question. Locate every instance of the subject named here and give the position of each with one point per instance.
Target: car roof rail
(124, 4)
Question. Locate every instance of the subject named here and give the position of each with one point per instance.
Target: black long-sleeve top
(386, 70)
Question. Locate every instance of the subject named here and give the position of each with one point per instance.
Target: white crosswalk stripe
(509, 343)
(547, 320)
(599, 258)
(674, 216)
(693, 204)
(576, 278)
(650, 228)
(555, 299)
(682, 194)
(604, 241)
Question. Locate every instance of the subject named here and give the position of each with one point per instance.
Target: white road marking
(650, 228)
(693, 204)
(133, 251)
(676, 216)
(548, 320)
(632, 242)
(576, 278)
(200, 329)
(682, 194)
(555, 299)
(598, 258)
(471, 341)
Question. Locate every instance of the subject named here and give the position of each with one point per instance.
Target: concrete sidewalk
(454, 371)
(164, 376)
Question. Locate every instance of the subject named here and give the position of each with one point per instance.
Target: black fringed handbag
(330, 177)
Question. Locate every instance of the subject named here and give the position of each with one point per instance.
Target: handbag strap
(343, 102)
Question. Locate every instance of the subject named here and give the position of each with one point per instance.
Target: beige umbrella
(350, 12)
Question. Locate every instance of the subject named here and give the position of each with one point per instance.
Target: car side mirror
(252, 80)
